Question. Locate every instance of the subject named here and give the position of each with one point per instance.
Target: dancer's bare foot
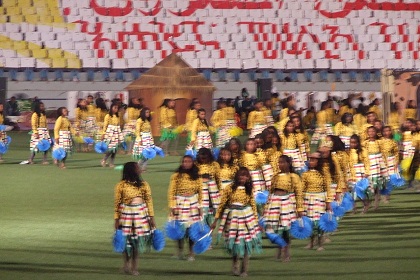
(320, 249)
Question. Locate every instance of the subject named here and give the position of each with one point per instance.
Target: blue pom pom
(396, 180)
(338, 209)
(101, 147)
(118, 241)
(216, 152)
(88, 140)
(8, 140)
(174, 230)
(158, 240)
(347, 202)
(261, 197)
(124, 146)
(159, 151)
(59, 154)
(363, 184)
(43, 145)
(328, 222)
(202, 245)
(2, 127)
(276, 239)
(198, 230)
(3, 148)
(301, 228)
(148, 153)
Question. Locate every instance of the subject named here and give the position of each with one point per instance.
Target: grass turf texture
(58, 224)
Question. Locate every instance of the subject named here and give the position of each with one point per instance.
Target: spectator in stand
(12, 107)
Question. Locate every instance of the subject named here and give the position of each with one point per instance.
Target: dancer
(168, 123)
(144, 138)
(390, 153)
(39, 131)
(2, 133)
(249, 159)
(302, 137)
(100, 113)
(345, 129)
(218, 122)
(323, 127)
(370, 121)
(134, 214)
(280, 211)
(192, 114)
(133, 113)
(235, 147)
(63, 132)
(228, 168)
(257, 121)
(290, 146)
(112, 135)
(317, 197)
(357, 163)
(200, 132)
(376, 168)
(239, 221)
(83, 123)
(209, 171)
(185, 197)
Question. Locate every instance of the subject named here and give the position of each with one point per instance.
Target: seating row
(122, 63)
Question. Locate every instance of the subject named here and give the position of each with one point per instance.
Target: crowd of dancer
(220, 177)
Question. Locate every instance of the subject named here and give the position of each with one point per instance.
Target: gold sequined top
(256, 117)
(167, 118)
(211, 169)
(314, 181)
(183, 185)
(359, 120)
(345, 109)
(348, 130)
(132, 114)
(38, 122)
(308, 119)
(114, 120)
(341, 161)
(407, 136)
(198, 126)
(229, 113)
(274, 160)
(100, 115)
(410, 113)
(62, 123)
(356, 158)
(125, 192)
(250, 161)
(394, 120)
(281, 124)
(1, 118)
(291, 183)
(389, 147)
(262, 155)
(236, 157)
(142, 126)
(289, 142)
(80, 115)
(372, 147)
(217, 119)
(416, 141)
(321, 118)
(92, 110)
(303, 140)
(284, 113)
(227, 172)
(229, 197)
(192, 115)
(331, 116)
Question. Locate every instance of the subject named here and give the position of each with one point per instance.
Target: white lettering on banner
(262, 30)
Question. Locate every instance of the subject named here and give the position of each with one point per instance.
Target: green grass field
(58, 224)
